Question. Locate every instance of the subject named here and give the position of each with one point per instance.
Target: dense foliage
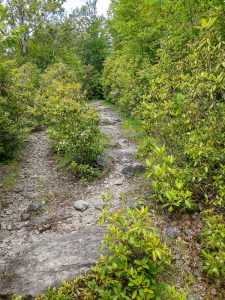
(9, 134)
(47, 70)
(174, 82)
(213, 241)
(72, 124)
(167, 69)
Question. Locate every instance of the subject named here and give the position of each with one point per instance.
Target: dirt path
(43, 238)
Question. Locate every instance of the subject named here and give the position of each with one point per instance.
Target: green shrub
(123, 81)
(91, 81)
(184, 120)
(10, 135)
(73, 126)
(213, 245)
(74, 131)
(59, 72)
(21, 90)
(5, 67)
(176, 87)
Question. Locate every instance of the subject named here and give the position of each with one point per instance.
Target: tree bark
(24, 36)
(24, 44)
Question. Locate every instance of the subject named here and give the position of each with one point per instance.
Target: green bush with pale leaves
(73, 126)
(213, 245)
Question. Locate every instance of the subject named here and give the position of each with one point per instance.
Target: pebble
(81, 205)
(114, 145)
(171, 232)
(9, 227)
(118, 182)
(177, 257)
(25, 216)
(34, 206)
(18, 190)
(197, 273)
(98, 206)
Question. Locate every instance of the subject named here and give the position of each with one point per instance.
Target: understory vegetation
(46, 86)
(162, 64)
(167, 69)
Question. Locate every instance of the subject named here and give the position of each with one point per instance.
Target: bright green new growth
(18, 87)
(167, 69)
(213, 242)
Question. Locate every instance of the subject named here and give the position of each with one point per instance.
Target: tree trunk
(24, 44)
(24, 37)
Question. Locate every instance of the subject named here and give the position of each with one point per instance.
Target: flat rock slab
(47, 263)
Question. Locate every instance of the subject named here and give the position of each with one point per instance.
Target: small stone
(114, 145)
(113, 121)
(112, 156)
(7, 212)
(118, 182)
(44, 227)
(81, 205)
(4, 234)
(151, 213)
(177, 257)
(133, 169)
(34, 206)
(98, 206)
(106, 122)
(9, 227)
(17, 190)
(130, 156)
(131, 203)
(197, 273)
(25, 216)
(19, 226)
(103, 162)
(171, 232)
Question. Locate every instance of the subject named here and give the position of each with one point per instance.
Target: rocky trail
(48, 224)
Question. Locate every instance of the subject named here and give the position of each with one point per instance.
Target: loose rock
(133, 169)
(17, 190)
(81, 205)
(35, 206)
(118, 182)
(114, 145)
(25, 216)
(104, 162)
(171, 232)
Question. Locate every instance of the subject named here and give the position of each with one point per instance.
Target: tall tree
(27, 15)
(90, 33)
